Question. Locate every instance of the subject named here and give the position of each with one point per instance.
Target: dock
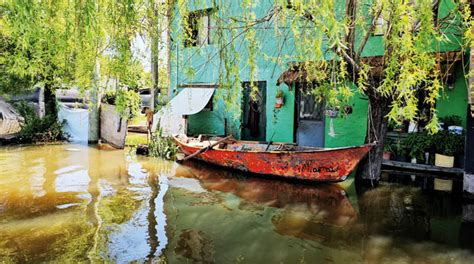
(424, 169)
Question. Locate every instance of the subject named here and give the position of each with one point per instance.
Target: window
(200, 28)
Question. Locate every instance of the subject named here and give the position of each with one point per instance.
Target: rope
(371, 126)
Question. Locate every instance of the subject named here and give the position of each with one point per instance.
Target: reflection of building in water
(219, 216)
(238, 217)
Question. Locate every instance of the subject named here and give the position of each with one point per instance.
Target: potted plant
(279, 98)
(400, 151)
(387, 150)
(452, 120)
(446, 146)
(419, 143)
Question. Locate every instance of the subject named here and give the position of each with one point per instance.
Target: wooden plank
(454, 177)
(138, 129)
(421, 167)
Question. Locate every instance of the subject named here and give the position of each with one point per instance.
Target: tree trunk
(370, 168)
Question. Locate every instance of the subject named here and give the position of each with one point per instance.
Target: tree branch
(367, 35)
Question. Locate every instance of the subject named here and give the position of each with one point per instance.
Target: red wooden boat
(278, 159)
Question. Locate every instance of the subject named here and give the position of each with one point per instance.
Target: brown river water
(73, 203)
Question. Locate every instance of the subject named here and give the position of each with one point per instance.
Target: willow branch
(367, 35)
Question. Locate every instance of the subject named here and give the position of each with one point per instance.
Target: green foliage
(127, 102)
(388, 147)
(452, 120)
(449, 144)
(419, 143)
(331, 48)
(135, 139)
(399, 148)
(162, 147)
(35, 129)
(67, 43)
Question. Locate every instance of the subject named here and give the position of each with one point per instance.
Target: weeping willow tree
(331, 40)
(83, 43)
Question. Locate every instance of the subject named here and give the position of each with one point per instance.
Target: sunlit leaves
(66, 42)
(331, 60)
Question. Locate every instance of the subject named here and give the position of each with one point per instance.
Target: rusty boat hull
(278, 159)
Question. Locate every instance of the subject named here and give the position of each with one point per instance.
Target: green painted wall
(350, 129)
(201, 65)
(454, 102)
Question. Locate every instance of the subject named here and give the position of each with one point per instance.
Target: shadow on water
(71, 203)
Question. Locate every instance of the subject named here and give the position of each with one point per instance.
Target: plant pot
(387, 155)
(443, 185)
(401, 158)
(444, 161)
(413, 127)
(278, 102)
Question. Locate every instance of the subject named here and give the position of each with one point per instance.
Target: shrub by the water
(162, 147)
(36, 129)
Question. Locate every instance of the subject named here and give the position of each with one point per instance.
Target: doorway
(254, 121)
(309, 118)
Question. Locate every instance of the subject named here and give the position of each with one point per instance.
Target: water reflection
(72, 203)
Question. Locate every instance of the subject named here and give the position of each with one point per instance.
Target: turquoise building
(195, 61)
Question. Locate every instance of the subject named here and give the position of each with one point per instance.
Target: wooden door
(254, 121)
(309, 120)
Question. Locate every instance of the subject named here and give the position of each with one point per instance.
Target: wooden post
(469, 147)
(469, 156)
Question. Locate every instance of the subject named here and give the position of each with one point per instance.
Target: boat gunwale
(279, 151)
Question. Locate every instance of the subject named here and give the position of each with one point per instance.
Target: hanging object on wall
(347, 109)
(332, 112)
(279, 99)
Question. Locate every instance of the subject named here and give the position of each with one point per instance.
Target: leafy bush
(127, 102)
(452, 120)
(162, 147)
(449, 144)
(36, 129)
(419, 143)
(388, 146)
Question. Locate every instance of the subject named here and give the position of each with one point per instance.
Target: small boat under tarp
(278, 159)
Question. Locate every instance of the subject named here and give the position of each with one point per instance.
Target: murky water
(76, 203)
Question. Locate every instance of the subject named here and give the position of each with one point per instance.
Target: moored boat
(277, 159)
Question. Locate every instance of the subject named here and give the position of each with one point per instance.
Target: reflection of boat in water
(283, 160)
(307, 204)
